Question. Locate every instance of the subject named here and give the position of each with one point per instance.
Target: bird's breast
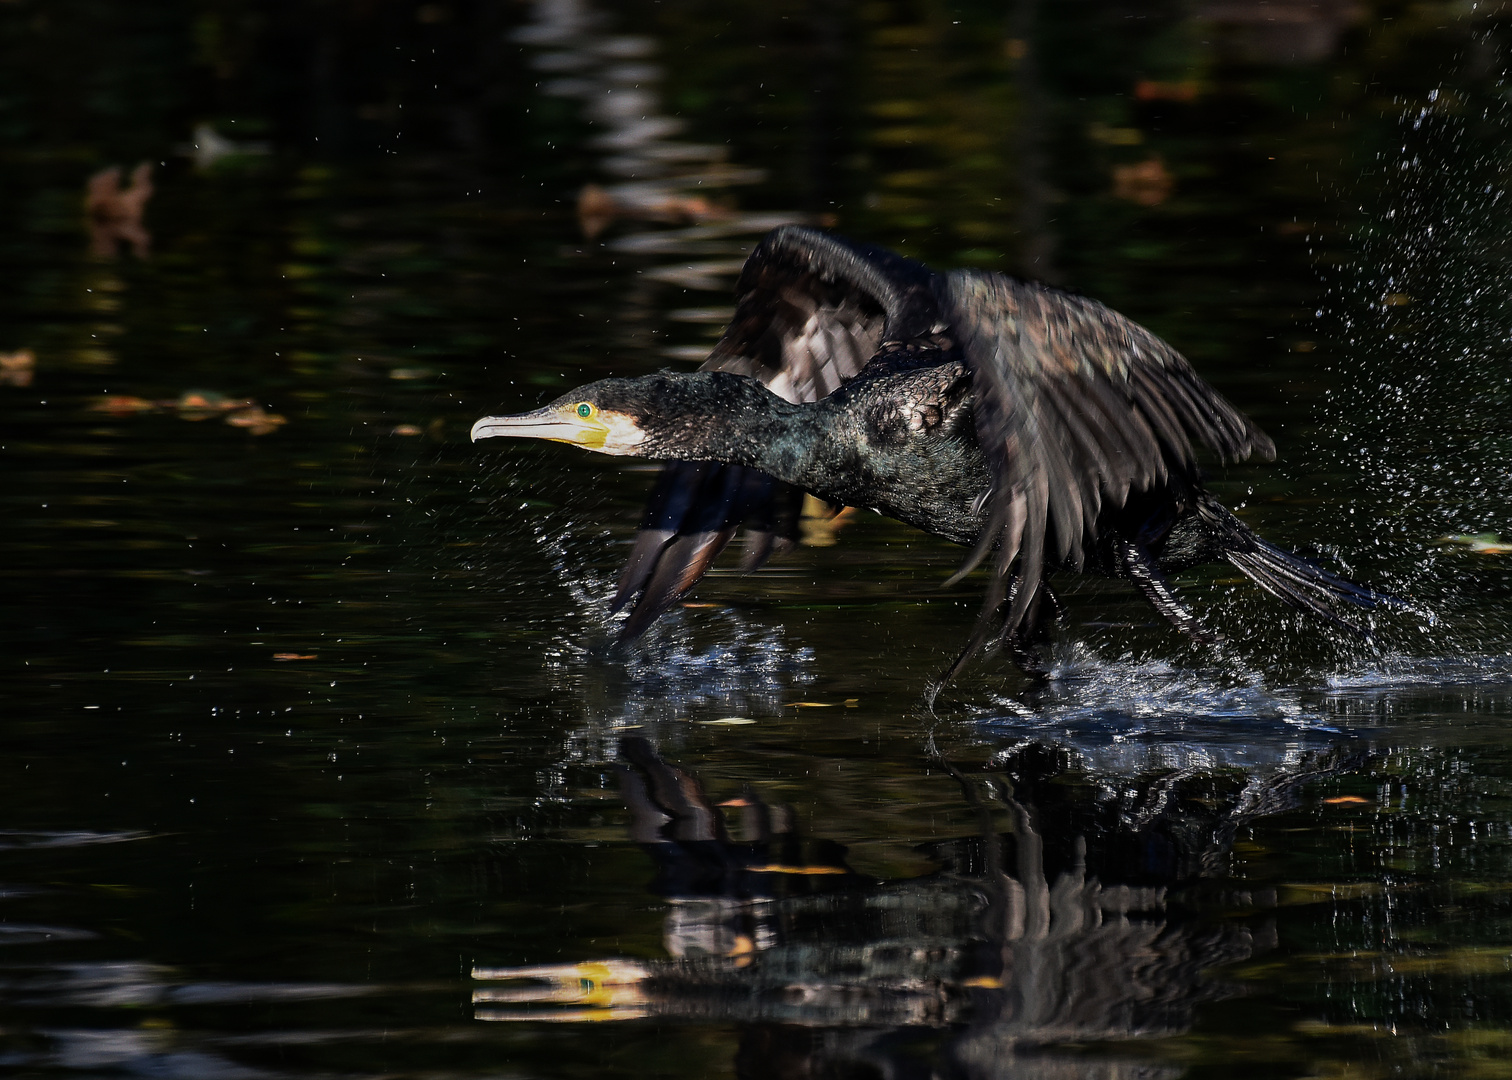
(912, 470)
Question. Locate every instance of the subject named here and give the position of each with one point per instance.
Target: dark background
(302, 718)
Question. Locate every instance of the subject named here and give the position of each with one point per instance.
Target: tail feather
(1272, 576)
(1309, 574)
(1291, 578)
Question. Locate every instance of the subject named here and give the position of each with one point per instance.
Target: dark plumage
(1027, 423)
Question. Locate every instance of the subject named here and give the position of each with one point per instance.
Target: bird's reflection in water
(1080, 911)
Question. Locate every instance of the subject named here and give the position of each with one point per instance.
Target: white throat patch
(625, 435)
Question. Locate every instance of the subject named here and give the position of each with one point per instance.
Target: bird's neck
(780, 438)
(721, 416)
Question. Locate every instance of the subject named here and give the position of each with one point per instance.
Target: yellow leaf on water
(1480, 543)
(1324, 892)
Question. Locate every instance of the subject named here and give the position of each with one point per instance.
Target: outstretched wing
(811, 309)
(1075, 407)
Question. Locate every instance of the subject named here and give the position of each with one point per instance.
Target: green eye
(585, 410)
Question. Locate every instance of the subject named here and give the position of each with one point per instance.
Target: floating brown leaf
(122, 405)
(203, 404)
(1148, 182)
(16, 368)
(114, 213)
(257, 420)
(598, 206)
(1154, 90)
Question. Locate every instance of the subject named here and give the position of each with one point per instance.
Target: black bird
(1019, 420)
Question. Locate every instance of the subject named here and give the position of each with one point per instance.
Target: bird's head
(666, 415)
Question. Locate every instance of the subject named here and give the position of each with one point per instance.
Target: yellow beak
(556, 424)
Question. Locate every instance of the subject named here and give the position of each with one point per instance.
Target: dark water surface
(315, 762)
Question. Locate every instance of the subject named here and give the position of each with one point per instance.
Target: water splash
(1131, 717)
(1422, 327)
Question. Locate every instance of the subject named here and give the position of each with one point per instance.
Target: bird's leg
(1028, 643)
(1140, 567)
(1000, 592)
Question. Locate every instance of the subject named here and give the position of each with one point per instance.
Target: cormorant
(1024, 422)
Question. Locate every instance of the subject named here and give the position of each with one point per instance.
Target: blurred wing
(1075, 407)
(810, 311)
(693, 512)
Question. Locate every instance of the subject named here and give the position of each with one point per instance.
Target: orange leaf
(122, 404)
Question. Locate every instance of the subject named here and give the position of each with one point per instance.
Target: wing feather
(1076, 407)
(1164, 424)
